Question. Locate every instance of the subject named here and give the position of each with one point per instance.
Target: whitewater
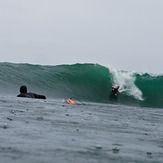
(100, 128)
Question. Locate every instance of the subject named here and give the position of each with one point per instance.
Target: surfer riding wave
(115, 90)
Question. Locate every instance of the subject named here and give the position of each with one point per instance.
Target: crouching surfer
(24, 93)
(115, 91)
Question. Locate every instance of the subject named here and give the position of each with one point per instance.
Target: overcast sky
(125, 34)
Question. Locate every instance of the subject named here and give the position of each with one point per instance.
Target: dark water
(51, 131)
(123, 129)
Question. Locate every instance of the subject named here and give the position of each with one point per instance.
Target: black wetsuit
(31, 95)
(115, 91)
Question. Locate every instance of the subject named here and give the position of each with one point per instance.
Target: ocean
(127, 128)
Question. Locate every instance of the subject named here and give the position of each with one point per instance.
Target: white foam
(126, 81)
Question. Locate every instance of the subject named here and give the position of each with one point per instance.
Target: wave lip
(88, 82)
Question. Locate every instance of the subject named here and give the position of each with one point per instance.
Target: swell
(88, 82)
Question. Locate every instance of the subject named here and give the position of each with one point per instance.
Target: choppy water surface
(51, 131)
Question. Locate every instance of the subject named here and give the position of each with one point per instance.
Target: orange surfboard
(69, 101)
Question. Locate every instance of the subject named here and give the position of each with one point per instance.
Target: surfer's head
(23, 89)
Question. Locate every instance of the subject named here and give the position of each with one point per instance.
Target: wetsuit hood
(23, 89)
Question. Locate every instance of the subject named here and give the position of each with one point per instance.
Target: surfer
(115, 91)
(24, 93)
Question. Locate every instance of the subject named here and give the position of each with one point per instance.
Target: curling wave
(88, 82)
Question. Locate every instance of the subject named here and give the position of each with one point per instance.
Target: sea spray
(126, 81)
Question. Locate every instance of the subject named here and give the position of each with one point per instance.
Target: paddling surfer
(24, 93)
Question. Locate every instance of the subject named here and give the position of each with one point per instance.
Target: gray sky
(125, 34)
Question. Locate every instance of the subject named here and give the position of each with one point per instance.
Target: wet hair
(23, 89)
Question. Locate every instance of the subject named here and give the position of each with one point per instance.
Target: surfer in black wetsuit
(23, 93)
(115, 91)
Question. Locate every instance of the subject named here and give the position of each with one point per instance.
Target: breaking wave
(88, 82)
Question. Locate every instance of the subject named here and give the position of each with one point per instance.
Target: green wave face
(87, 82)
(152, 89)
